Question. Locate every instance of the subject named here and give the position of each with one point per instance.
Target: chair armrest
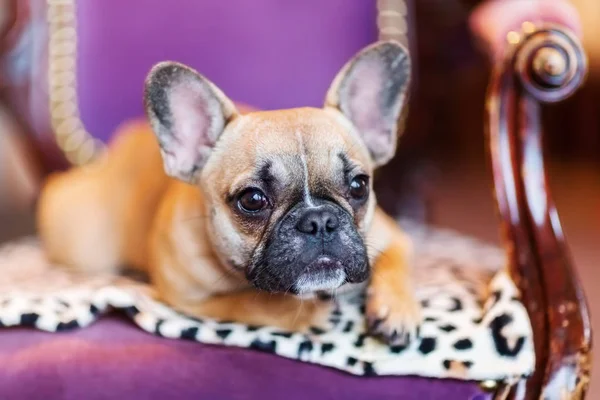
(544, 63)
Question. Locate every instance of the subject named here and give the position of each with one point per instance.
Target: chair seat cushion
(474, 328)
(113, 359)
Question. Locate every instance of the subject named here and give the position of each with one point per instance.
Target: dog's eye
(252, 200)
(359, 187)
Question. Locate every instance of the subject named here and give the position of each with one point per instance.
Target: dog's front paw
(392, 315)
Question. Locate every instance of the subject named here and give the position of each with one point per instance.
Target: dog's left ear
(187, 113)
(370, 91)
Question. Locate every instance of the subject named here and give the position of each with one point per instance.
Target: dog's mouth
(325, 273)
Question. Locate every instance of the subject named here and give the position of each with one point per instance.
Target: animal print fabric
(474, 328)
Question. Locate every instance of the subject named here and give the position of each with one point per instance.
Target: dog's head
(288, 192)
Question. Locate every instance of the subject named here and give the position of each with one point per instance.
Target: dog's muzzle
(312, 248)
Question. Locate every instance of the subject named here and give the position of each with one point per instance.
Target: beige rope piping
(77, 144)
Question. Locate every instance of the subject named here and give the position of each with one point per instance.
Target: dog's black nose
(318, 221)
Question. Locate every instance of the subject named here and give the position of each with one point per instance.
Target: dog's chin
(323, 274)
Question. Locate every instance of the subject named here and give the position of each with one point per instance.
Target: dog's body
(280, 202)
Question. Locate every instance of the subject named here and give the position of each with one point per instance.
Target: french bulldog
(239, 214)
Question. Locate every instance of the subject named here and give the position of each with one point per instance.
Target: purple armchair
(269, 54)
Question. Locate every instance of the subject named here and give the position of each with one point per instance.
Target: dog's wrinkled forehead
(296, 148)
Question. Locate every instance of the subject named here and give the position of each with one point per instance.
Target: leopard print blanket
(474, 328)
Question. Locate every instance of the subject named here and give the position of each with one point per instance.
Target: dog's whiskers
(376, 252)
(223, 275)
(298, 312)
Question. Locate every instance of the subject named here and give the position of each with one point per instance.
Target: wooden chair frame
(543, 64)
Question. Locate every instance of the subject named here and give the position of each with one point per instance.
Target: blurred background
(72, 75)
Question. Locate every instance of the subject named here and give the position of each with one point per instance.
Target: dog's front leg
(393, 311)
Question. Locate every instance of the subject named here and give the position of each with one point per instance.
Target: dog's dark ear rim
(187, 113)
(371, 91)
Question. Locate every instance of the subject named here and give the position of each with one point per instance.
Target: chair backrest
(88, 59)
(267, 53)
(75, 69)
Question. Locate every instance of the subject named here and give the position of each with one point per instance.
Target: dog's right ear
(187, 113)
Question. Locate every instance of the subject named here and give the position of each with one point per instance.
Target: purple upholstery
(112, 359)
(267, 53)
